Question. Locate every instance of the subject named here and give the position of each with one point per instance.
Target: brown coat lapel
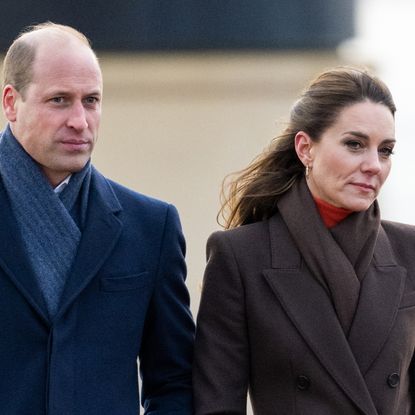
(380, 296)
(311, 311)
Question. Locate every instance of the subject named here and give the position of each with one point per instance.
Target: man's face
(57, 119)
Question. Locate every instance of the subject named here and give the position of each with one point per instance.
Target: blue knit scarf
(50, 224)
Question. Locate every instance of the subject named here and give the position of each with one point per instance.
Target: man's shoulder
(128, 194)
(131, 200)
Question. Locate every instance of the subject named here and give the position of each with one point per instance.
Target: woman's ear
(303, 146)
(10, 97)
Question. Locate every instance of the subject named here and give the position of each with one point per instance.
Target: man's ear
(10, 97)
(303, 146)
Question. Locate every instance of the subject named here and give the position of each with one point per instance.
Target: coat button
(393, 380)
(303, 383)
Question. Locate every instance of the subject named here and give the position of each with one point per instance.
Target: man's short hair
(19, 59)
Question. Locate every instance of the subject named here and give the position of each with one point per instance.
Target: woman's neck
(331, 214)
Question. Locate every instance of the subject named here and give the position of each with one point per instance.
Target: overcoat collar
(310, 309)
(100, 235)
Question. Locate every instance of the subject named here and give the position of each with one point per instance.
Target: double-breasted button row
(303, 382)
(393, 380)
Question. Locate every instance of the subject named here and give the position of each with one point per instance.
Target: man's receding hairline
(53, 36)
(37, 37)
(50, 28)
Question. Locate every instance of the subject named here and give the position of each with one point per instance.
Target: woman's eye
(354, 145)
(386, 151)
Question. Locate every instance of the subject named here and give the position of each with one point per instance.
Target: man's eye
(91, 100)
(57, 100)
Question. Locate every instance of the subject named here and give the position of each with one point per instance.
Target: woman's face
(352, 159)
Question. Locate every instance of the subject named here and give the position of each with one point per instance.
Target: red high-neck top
(330, 214)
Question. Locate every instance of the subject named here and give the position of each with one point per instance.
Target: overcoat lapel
(99, 237)
(14, 260)
(380, 296)
(310, 309)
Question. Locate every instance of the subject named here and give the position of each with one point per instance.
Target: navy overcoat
(125, 298)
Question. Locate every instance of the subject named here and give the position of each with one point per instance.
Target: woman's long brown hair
(251, 195)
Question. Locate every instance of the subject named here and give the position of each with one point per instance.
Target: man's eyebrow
(69, 92)
(95, 92)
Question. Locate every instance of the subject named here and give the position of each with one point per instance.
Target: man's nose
(77, 117)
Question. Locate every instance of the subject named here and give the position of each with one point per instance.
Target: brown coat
(267, 324)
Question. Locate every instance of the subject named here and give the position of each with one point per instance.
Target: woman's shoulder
(251, 239)
(243, 241)
(401, 237)
(398, 229)
(250, 232)
(249, 245)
